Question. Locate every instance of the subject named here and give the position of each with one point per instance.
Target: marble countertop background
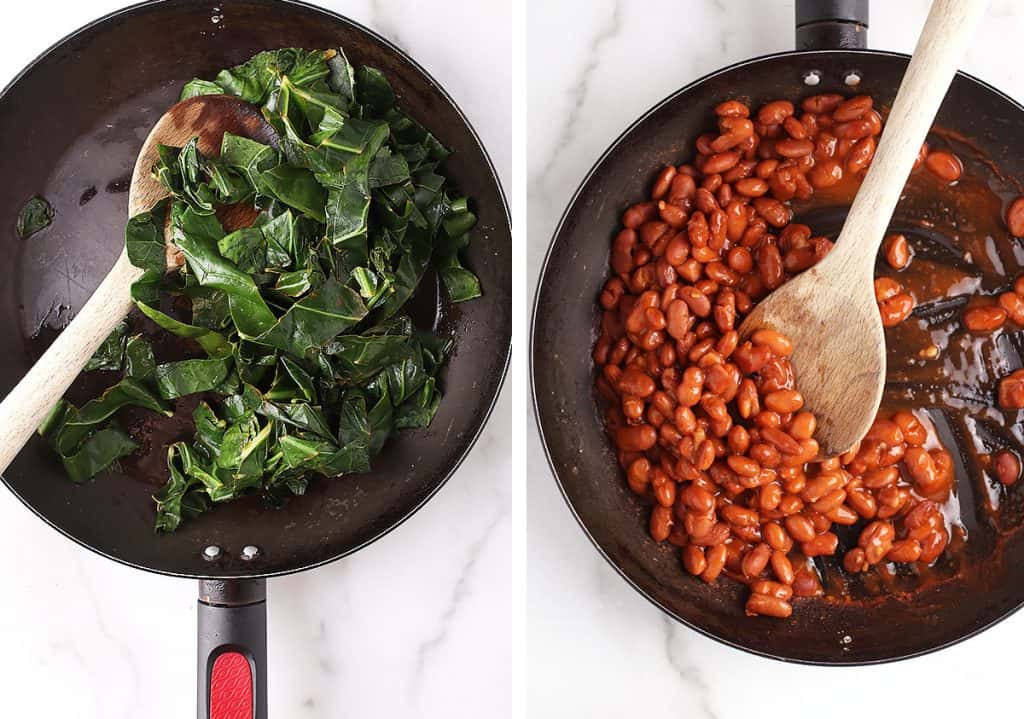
(597, 648)
(426, 622)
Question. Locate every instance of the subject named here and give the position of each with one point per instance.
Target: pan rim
(505, 347)
(544, 268)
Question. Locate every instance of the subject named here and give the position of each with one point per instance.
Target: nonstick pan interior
(70, 128)
(565, 321)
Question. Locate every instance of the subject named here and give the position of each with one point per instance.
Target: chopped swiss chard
(297, 339)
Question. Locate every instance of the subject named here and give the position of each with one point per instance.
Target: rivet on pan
(249, 552)
(812, 78)
(211, 552)
(852, 78)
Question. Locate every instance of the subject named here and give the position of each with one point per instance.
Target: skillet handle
(232, 623)
(831, 24)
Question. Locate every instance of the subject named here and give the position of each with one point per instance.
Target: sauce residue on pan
(962, 250)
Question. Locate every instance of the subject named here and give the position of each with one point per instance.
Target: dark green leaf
(357, 358)
(55, 418)
(209, 430)
(295, 187)
(138, 358)
(144, 239)
(300, 378)
(249, 157)
(298, 414)
(374, 90)
(404, 379)
(347, 211)
(194, 88)
(296, 284)
(282, 240)
(254, 362)
(254, 80)
(246, 247)
(177, 499)
(387, 169)
(345, 460)
(381, 419)
(459, 223)
(411, 267)
(97, 453)
(204, 472)
(79, 423)
(419, 409)
(342, 78)
(35, 215)
(302, 453)
(214, 343)
(461, 283)
(201, 182)
(210, 307)
(353, 421)
(236, 406)
(177, 379)
(110, 354)
(361, 427)
(197, 236)
(316, 319)
(253, 456)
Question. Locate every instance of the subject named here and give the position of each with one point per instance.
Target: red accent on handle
(231, 687)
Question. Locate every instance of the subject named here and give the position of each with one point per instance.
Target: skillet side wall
(565, 320)
(76, 118)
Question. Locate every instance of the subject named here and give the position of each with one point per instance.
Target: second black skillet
(831, 57)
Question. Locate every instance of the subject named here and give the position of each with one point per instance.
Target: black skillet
(71, 125)
(831, 37)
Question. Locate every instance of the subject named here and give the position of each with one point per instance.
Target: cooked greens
(35, 215)
(303, 353)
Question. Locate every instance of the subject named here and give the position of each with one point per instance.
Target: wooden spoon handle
(26, 406)
(943, 41)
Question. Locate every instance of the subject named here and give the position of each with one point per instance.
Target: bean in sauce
(721, 420)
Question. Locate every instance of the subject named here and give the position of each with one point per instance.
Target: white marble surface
(596, 648)
(425, 623)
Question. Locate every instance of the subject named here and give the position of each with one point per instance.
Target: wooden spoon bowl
(829, 312)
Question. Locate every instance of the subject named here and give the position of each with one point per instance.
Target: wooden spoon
(207, 117)
(829, 311)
